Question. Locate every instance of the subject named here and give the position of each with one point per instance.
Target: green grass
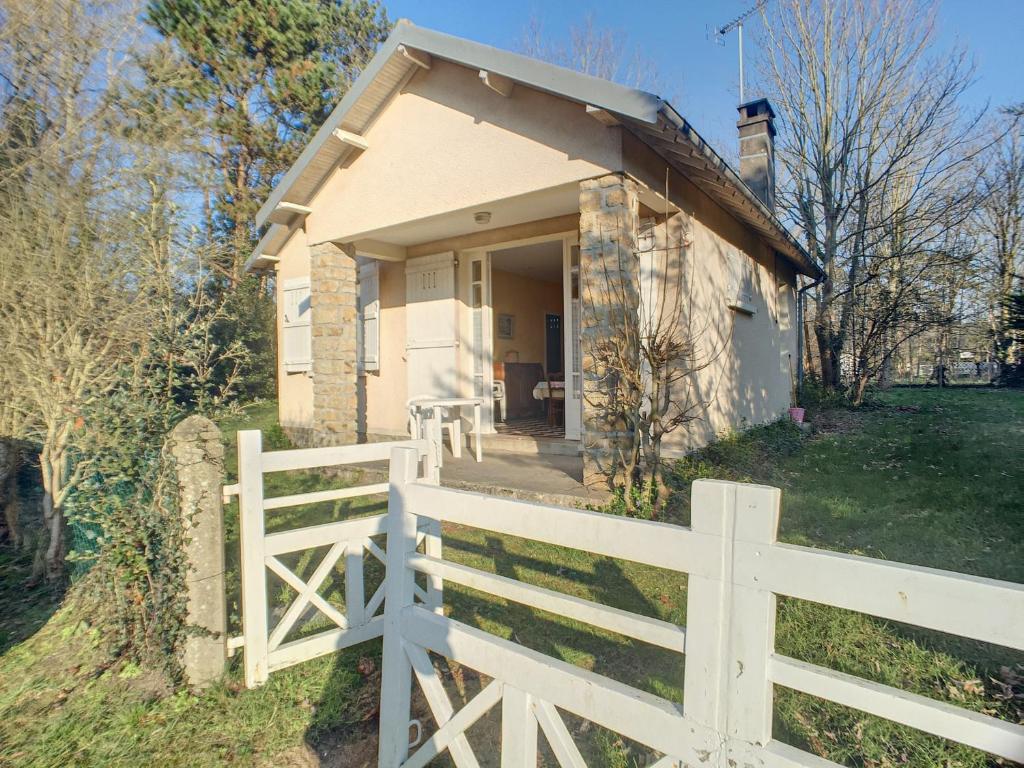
(927, 477)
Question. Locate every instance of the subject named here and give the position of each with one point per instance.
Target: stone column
(609, 291)
(334, 294)
(198, 453)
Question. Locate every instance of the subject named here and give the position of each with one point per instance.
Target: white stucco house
(439, 230)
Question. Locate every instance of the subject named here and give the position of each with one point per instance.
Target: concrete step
(531, 445)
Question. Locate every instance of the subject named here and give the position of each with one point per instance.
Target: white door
(431, 348)
(573, 353)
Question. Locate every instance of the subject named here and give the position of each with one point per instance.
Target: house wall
(294, 390)
(528, 300)
(447, 142)
(386, 389)
(751, 376)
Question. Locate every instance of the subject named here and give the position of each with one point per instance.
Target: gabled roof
(647, 116)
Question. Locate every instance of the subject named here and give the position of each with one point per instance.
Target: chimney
(757, 149)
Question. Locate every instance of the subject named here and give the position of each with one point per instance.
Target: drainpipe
(800, 333)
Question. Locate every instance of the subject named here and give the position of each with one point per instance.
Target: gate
(265, 647)
(735, 569)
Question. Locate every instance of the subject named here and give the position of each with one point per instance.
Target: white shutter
(741, 283)
(369, 312)
(296, 326)
(431, 326)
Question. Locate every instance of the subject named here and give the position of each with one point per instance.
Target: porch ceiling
(543, 204)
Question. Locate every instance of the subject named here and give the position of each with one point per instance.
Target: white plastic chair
(498, 395)
(421, 428)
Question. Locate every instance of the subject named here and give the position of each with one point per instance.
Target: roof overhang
(264, 256)
(410, 48)
(675, 140)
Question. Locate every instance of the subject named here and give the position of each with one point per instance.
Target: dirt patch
(357, 747)
(841, 421)
(837, 421)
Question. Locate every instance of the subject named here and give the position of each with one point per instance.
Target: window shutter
(741, 283)
(296, 326)
(369, 311)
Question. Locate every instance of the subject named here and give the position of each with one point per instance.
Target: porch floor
(532, 427)
(542, 477)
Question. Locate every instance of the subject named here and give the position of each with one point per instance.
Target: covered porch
(551, 478)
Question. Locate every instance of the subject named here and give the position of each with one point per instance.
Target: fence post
(198, 453)
(712, 506)
(518, 729)
(396, 673)
(432, 542)
(752, 626)
(730, 629)
(254, 573)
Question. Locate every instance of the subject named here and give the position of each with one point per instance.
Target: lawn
(925, 476)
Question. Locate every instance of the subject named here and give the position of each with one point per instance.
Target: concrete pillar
(609, 282)
(334, 295)
(198, 453)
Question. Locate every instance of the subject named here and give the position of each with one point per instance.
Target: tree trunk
(51, 468)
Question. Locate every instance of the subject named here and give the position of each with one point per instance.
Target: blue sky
(700, 77)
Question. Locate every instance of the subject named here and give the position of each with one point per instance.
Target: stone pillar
(198, 453)
(609, 291)
(334, 294)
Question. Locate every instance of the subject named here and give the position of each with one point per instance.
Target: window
(296, 338)
(368, 330)
(741, 283)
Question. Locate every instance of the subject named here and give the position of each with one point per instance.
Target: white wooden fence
(266, 648)
(735, 568)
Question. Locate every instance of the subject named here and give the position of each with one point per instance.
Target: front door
(431, 326)
(572, 351)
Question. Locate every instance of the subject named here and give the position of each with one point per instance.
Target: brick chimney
(757, 149)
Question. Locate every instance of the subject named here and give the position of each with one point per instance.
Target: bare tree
(647, 367)
(872, 131)
(593, 50)
(1001, 219)
(88, 282)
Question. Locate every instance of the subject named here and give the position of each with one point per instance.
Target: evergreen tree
(259, 77)
(265, 74)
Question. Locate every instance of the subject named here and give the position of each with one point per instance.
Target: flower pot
(797, 415)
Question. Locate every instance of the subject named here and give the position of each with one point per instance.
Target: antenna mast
(737, 24)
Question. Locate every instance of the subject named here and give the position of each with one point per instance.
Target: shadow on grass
(24, 608)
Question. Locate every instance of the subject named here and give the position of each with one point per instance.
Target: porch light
(482, 217)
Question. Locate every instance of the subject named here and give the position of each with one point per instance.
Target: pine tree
(265, 74)
(258, 77)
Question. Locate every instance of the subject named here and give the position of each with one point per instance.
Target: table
(436, 406)
(543, 392)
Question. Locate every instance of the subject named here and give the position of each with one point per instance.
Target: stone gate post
(198, 453)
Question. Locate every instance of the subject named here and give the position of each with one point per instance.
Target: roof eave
(798, 255)
(633, 103)
(264, 255)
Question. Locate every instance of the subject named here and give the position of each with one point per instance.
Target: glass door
(479, 301)
(573, 354)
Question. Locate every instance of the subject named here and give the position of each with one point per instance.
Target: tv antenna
(737, 24)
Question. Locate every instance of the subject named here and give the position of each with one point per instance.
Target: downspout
(800, 333)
